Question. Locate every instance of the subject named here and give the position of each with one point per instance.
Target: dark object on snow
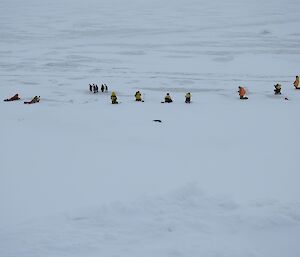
(106, 88)
(102, 88)
(34, 100)
(286, 98)
(157, 120)
(13, 98)
(91, 88)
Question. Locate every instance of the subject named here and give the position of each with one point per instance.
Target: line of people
(138, 96)
(95, 89)
(188, 96)
(277, 90)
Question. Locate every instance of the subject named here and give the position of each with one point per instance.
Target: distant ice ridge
(186, 222)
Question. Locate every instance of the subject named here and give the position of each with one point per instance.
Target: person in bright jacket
(168, 98)
(13, 98)
(296, 83)
(277, 89)
(114, 98)
(188, 98)
(138, 96)
(242, 93)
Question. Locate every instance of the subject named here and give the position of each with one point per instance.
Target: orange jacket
(296, 82)
(242, 91)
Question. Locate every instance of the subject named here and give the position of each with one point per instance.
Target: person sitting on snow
(36, 99)
(296, 83)
(188, 98)
(277, 89)
(138, 96)
(13, 98)
(242, 93)
(114, 98)
(168, 98)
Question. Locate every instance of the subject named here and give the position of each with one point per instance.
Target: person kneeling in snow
(13, 98)
(114, 98)
(188, 98)
(296, 83)
(138, 96)
(277, 89)
(242, 93)
(34, 100)
(168, 98)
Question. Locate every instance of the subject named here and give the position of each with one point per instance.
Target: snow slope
(184, 223)
(81, 177)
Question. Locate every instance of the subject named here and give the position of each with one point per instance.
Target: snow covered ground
(81, 177)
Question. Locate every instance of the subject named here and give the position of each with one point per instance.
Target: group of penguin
(95, 89)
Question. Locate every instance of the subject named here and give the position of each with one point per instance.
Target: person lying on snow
(168, 98)
(277, 89)
(188, 98)
(296, 83)
(242, 93)
(34, 100)
(114, 98)
(13, 98)
(138, 96)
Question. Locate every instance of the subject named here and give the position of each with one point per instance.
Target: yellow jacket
(168, 97)
(188, 95)
(113, 97)
(138, 96)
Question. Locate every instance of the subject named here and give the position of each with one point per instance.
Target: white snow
(81, 177)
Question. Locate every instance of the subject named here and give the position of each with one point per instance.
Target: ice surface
(81, 177)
